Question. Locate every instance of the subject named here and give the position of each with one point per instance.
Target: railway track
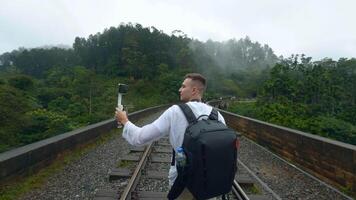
(105, 171)
(148, 178)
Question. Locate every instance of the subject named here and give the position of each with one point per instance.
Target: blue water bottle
(180, 158)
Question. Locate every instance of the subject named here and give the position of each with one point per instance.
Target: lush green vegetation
(44, 92)
(316, 97)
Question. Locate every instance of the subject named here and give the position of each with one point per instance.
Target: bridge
(288, 163)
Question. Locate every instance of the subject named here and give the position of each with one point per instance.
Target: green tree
(316, 97)
(21, 82)
(13, 105)
(44, 124)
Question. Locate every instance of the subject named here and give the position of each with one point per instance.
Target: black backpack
(211, 151)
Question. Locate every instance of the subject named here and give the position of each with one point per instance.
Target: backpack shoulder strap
(187, 112)
(173, 161)
(214, 114)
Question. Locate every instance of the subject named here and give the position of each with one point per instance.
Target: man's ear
(195, 90)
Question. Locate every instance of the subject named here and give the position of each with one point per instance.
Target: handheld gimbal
(123, 88)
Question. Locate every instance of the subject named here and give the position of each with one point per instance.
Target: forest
(315, 97)
(48, 91)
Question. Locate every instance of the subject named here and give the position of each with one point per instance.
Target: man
(172, 122)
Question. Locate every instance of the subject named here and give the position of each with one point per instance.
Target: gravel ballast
(83, 177)
(284, 179)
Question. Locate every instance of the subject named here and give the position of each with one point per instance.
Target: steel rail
(263, 184)
(136, 175)
(238, 191)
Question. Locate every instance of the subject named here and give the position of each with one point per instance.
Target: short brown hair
(197, 77)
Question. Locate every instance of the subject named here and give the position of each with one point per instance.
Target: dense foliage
(316, 97)
(47, 91)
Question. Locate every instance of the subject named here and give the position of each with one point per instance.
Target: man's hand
(121, 116)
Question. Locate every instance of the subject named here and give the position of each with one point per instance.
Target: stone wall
(27, 158)
(331, 161)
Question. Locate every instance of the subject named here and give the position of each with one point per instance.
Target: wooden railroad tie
(130, 158)
(137, 149)
(156, 159)
(257, 197)
(106, 195)
(150, 195)
(117, 173)
(162, 150)
(156, 175)
(165, 144)
(245, 180)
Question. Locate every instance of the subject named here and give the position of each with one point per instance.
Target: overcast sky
(317, 28)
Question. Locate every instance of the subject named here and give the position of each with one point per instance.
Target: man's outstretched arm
(139, 136)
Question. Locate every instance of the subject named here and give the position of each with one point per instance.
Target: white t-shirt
(172, 123)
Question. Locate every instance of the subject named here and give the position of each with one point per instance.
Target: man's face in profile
(186, 90)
